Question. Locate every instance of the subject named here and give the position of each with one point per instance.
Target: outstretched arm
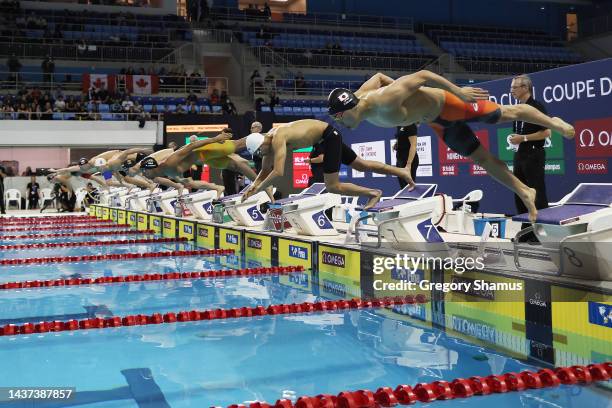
(408, 84)
(67, 169)
(278, 169)
(377, 81)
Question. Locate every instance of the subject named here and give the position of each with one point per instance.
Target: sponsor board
(99, 212)
(370, 151)
(593, 166)
(142, 221)
(449, 170)
(424, 171)
(168, 227)
(121, 219)
(132, 219)
(477, 170)
(186, 230)
(205, 236)
(230, 239)
(155, 223)
(92, 210)
(593, 137)
(105, 213)
(341, 266)
(423, 150)
(292, 252)
(113, 215)
(505, 150)
(301, 169)
(258, 246)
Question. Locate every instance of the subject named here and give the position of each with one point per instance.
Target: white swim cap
(254, 142)
(99, 162)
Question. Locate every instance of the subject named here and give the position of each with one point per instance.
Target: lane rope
(210, 314)
(90, 243)
(75, 227)
(105, 257)
(77, 234)
(152, 277)
(445, 390)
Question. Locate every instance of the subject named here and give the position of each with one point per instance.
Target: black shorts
(335, 151)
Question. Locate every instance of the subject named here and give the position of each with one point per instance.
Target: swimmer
(170, 169)
(274, 146)
(447, 108)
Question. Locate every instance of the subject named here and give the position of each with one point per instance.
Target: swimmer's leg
(333, 184)
(528, 113)
(360, 164)
(499, 171)
(241, 165)
(203, 185)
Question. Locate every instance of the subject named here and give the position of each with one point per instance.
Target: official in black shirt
(405, 151)
(33, 189)
(2, 176)
(530, 158)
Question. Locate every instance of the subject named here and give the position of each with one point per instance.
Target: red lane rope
(56, 259)
(95, 226)
(152, 277)
(4, 220)
(196, 315)
(90, 243)
(445, 390)
(59, 222)
(77, 234)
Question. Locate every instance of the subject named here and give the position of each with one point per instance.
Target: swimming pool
(221, 362)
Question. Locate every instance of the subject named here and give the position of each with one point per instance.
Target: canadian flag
(98, 81)
(142, 84)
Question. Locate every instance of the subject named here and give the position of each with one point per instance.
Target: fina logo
(298, 252)
(156, 223)
(132, 217)
(231, 238)
(188, 229)
(140, 218)
(167, 225)
(203, 232)
(299, 279)
(254, 243)
(334, 288)
(537, 300)
(333, 259)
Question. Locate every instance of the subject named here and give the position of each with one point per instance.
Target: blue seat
(104, 107)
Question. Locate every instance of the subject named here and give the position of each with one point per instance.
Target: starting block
(162, 202)
(576, 233)
(138, 200)
(305, 212)
(405, 218)
(111, 197)
(245, 213)
(199, 203)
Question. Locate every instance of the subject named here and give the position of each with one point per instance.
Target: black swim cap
(139, 157)
(128, 164)
(149, 163)
(83, 161)
(340, 100)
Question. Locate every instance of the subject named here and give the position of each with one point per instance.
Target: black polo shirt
(402, 135)
(524, 128)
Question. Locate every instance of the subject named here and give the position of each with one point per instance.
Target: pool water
(221, 362)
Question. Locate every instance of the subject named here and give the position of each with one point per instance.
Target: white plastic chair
(12, 195)
(46, 196)
(81, 193)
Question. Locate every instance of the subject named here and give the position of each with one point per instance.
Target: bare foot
(564, 128)
(373, 200)
(408, 178)
(528, 197)
(220, 191)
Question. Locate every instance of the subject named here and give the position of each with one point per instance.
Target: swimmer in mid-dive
(447, 108)
(168, 169)
(218, 153)
(273, 147)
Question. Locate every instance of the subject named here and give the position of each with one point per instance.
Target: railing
(89, 53)
(289, 87)
(597, 25)
(505, 67)
(89, 115)
(335, 19)
(73, 82)
(341, 61)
